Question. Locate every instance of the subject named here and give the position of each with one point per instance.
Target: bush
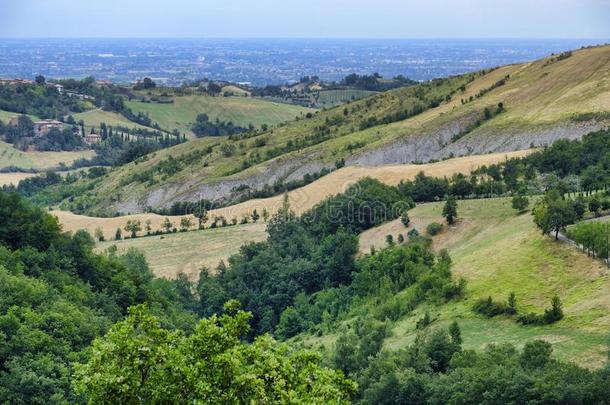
(434, 228)
(490, 308)
(551, 315)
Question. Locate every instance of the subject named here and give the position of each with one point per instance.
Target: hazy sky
(306, 18)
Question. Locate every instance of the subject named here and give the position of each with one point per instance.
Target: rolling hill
(498, 251)
(301, 199)
(9, 156)
(510, 108)
(242, 111)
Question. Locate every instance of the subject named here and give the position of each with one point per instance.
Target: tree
(148, 226)
(520, 202)
(213, 365)
(455, 333)
(40, 80)
(118, 234)
(404, 218)
(255, 216)
(553, 213)
(99, 234)
(134, 226)
(185, 224)
(450, 210)
(202, 215)
(265, 215)
(389, 240)
(579, 207)
(167, 225)
(555, 313)
(594, 205)
(401, 238)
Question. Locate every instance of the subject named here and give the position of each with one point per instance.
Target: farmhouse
(90, 139)
(55, 86)
(42, 128)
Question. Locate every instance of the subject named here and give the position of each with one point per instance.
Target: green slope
(241, 111)
(498, 251)
(542, 95)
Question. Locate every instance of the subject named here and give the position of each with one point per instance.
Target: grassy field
(240, 110)
(13, 178)
(330, 98)
(497, 252)
(10, 156)
(93, 119)
(187, 252)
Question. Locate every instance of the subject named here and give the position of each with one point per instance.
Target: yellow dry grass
(301, 199)
(13, 178)
(188, 252)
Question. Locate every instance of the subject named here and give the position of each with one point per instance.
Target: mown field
(301, 199)
(188, 252)
(13, 178)
(328, 98)
(93, 119)
(10, 156)
(498, 251)
(241, 111)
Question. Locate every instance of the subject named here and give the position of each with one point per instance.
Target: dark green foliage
(204, 127)
(404, 218)
(551, 315)
(434, 370)
(450, 210)
(489, 308)
(434, 228)
(424, 321)
(520, 202)
(56, 296)
(212, 366)
(553, 213)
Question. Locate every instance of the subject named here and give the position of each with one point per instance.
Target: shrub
(404, 218)
(551, 315)
(489, 308)
(434, 228)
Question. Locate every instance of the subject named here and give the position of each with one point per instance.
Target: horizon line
(304, 38)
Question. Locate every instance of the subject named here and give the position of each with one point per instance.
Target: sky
(306, 18)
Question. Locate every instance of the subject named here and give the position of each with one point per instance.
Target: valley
(540, 103)
(366, 240)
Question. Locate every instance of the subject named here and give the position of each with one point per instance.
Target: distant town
(260, 62)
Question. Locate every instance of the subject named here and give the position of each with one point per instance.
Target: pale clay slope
(301, 199)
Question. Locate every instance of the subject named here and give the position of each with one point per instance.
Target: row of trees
(593, 237)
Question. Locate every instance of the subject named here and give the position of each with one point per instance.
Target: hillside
(9, 156)
(541, 101)
(497, 251)
(242, 111)
(301, 199)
